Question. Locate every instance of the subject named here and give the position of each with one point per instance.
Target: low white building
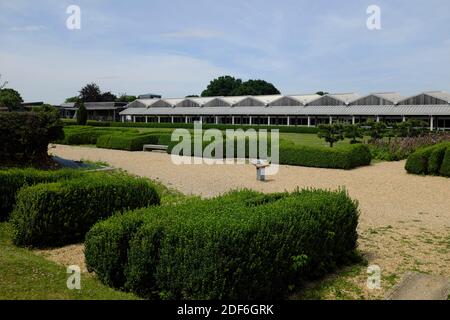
(294, 110)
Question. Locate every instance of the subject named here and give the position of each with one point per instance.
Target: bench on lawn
(151, 147)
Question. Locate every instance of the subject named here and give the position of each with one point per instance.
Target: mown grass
(25, 275)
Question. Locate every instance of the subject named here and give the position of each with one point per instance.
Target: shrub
(81, 114)
(242, 250)
(342, 157)
(24, 136)
(445, 167)
(60, 213)
(436, 158)
(12, 180)
(427, 160)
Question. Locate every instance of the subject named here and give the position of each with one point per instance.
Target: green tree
(353, 132)
(91, 93)
(410, 128)
(126, 98)
(255, 88)
(73, 99)
(332, 133)
(81, 114)
(108, 97)
(222, 86)
(192, 96)
(10, 98)
(377, 129)
(321, 93)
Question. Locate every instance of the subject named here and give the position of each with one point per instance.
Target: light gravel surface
(404, 222)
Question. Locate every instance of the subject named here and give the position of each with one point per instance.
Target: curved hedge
(428, 160)
(246, 249)
(11, 180)
(59, 213)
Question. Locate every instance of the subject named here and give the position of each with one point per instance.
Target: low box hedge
(77, 135)
(250, 247)
(428, 160)
(11, 180)
(284, 129)
(342, 157)
(131, 142)
(59, 213)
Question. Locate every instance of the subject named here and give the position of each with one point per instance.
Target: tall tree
(91, 93)
(255, 88)
(222, 86)
(126, 98)
(10, 99)
(108, 97)
(81, 114)
(321, 93)
(73, 99)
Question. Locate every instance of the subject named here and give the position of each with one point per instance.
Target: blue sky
(176, 47)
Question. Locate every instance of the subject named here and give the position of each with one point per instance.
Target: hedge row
(285, 129)
(131, 142)
(77, 135)
(434, 160)
(243, 245)
(342, 157)
(11, 180)
(60, 213)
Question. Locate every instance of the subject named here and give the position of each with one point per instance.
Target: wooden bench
(150, 147)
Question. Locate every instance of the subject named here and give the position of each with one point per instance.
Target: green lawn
(26, 275)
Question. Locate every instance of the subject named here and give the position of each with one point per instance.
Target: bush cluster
(433, 160)
(11, 180)
(24, 136)
(53, 214)
(243, 245)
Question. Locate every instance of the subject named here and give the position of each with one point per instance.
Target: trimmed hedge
(247, 247)
(285, 129)
(342, 157)
(24, 136)
(428, 160)
(11, 180)
(60, 213)
(131, 142)
(77, 135)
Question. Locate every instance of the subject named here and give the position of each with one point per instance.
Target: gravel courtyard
(404, 222)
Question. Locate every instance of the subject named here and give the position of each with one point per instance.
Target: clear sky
(175, 47)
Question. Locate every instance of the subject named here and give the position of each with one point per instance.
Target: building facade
(294, 110)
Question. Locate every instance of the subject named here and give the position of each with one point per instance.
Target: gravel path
(386, 193)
